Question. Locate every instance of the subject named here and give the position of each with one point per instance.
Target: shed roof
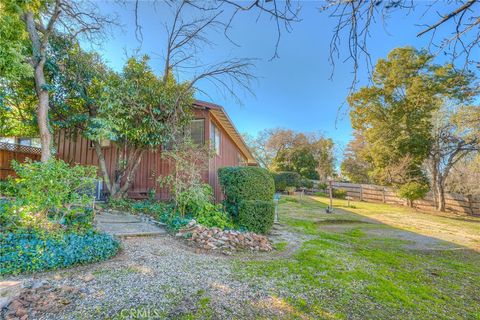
(218, 112)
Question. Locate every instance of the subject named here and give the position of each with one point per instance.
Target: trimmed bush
(245, 183)
(307, 183)
(286, 179)
(339, 193)
(29, 252)
(256, 215)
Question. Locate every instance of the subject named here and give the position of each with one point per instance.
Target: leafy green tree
(298, 159)
(355, 166)
(394, 113)
(28, 28)
(454, 137)
(323, 152)
(135, 109)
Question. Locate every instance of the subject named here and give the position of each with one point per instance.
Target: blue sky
(293, 91)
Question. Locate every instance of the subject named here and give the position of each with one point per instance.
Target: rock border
(224, 241)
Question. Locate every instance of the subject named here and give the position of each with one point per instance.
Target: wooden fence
(9, 152)
(374, 193)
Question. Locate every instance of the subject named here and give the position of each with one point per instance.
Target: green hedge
(29, 252)
(245, 183)
(286, 179)
(339, 193)
(256, 215)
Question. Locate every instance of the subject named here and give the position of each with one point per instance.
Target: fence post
(383, 194)
(361, 192)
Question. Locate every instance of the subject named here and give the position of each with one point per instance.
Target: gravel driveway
(160, 277)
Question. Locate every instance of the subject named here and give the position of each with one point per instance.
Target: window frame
(215, 138)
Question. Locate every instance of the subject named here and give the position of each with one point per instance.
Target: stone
(21, 312)
(88, 278)
(4, 302)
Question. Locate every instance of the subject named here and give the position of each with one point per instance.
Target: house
(211, 125)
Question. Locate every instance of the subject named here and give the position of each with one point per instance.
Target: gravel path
(166, 279)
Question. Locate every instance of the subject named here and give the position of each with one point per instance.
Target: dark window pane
(197, 131)
(215, 138)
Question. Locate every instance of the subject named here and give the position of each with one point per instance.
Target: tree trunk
(131, 175)
(103, 167)
(42, 118)
(440, 196)
(38, 62)
(116, 187)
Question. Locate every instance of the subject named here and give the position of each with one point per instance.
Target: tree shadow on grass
(416, 233)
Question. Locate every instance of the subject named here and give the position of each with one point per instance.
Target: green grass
(357, 268)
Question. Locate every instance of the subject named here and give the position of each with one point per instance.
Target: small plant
(306, 183)
(322, 186)
(213, 216)
(291, 190)
(339, 193)
(321, 194)
(185, 183)
(412, 191)
(52, 195)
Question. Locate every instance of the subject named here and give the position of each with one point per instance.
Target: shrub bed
(256, 215)
(29, 252)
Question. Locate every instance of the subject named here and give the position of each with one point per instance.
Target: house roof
(218, 112)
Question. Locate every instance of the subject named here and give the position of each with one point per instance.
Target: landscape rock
(39, 297)
(226, 242)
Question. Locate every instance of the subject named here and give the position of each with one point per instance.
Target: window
(215, 138)
(25, 141)
(197, 131)
(104, 143)
(242, 162)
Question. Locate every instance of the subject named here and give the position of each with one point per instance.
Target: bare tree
(464, 178)
(283, 13)
(69, 17)
(456, 32)
(187, 38)
(452, 140)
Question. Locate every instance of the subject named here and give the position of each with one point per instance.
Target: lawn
(373, 261)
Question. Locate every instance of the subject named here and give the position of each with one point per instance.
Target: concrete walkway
(126, 225)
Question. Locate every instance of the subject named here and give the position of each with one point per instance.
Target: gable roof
(218, 112)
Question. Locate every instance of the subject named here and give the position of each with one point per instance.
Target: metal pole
(331, 195)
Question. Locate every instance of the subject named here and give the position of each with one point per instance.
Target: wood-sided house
(211, 125)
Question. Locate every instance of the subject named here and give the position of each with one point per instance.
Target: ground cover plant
(29, 252)
(361, 263)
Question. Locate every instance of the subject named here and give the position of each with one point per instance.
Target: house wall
(228, 157)
(77, 150)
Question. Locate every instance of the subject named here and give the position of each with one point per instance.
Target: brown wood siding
(75, 149)
(10, 152)
(228, 157)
